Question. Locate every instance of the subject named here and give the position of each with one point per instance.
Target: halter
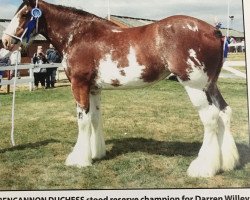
(36, 13)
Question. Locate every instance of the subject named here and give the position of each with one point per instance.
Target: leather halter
(36, 13)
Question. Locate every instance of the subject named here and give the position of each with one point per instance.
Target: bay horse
(97, 54)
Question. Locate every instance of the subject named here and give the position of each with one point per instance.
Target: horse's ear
(29, 2)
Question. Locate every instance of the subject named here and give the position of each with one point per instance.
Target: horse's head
(22, 25)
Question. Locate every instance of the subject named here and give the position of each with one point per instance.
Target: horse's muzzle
(9, 42)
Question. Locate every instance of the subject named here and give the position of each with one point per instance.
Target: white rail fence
(228, 65)
(28, 79)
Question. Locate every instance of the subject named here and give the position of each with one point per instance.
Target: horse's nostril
(5, 43)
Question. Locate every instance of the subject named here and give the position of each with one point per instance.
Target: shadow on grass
(244, 152)
(166, 148)
(29, 145)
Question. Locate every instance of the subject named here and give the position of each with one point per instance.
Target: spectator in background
(39, 73)
(4, 61)
(226, 48)
(53, 57)
(243, 45)
(15, 57)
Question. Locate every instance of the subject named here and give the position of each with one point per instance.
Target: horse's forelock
(21, 6)
(25, 2)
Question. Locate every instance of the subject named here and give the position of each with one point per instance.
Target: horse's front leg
(97, 140)
(81, 155)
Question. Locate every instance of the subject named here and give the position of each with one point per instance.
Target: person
(52, 56)
(226, 48)
(243, 45)
(15, 57)
(4, 61)
(39, 73)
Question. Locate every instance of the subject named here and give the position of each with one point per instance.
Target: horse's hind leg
(229, 152)
(208, 161)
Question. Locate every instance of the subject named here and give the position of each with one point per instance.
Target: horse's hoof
(202, 168)
(99, 156)
(77, 161)
(230, 162)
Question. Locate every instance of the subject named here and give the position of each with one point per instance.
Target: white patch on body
(70, 40)
(158, 40)
(131, 77)
(116, 31)
(198, 77)
(192, 28)
(192, 54)
(169, 26)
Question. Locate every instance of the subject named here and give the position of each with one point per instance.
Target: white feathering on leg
(81, 154)
(229, 152)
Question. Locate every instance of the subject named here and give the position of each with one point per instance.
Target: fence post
(31, 84)
(9, 77)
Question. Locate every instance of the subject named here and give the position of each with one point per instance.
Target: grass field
(152, 135)
(236, 56)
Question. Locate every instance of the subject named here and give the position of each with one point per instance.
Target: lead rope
(13, 103)
(37, 18)
(14, 85)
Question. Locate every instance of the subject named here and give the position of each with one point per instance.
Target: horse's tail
(219, 35)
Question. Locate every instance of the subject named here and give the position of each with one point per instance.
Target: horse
(97, 55)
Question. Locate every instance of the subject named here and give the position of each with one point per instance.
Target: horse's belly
(111, 76)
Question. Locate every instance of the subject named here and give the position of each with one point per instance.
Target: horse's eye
(26, 15)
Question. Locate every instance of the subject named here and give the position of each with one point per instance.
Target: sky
(211, 10)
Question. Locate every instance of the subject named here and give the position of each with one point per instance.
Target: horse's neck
(61, 26)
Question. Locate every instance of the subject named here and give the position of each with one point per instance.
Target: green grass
(236, 56)
(152, 135)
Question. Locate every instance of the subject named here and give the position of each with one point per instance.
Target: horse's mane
(76, 11)
(80, 13)
(73, 10)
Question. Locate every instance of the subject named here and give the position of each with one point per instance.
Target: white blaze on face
(12, 27)
(129, 76)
